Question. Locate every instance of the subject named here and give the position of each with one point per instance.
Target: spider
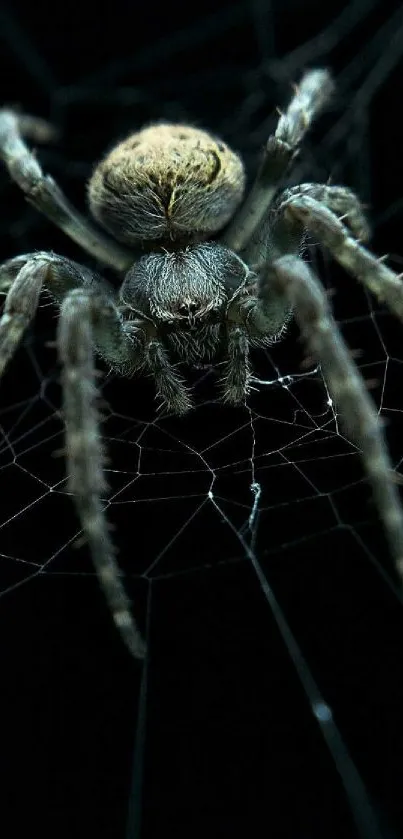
(203, 275)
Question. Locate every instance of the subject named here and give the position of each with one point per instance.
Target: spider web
(247, 537)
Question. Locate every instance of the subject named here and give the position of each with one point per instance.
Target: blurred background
(247, 537)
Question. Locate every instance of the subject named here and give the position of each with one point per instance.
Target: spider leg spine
(369, 269)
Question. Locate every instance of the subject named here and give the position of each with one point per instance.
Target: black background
(226, 738)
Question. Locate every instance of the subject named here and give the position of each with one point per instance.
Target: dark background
(216, 734)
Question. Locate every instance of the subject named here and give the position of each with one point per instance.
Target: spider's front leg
(26, 275)
(80, 309)
(289, 276)
(305, 211)
(308, 206)
(88, 317)
(338, 200)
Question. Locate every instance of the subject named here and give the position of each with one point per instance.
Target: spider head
(166, 184)
(183, 289)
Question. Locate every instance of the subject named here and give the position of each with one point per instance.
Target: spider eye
(188, 308)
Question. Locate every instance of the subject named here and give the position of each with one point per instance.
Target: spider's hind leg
(312, 93)
(42, 191)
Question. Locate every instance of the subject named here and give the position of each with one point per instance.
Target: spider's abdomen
(165, 183)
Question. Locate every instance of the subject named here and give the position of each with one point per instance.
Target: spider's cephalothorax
(184, 294)
(214, 275)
